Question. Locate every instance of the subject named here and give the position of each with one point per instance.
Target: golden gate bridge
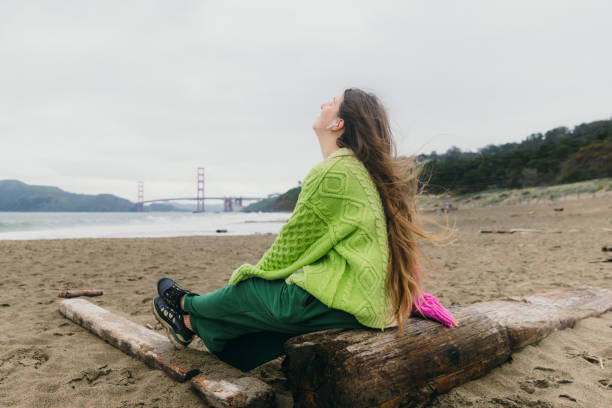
(228, 202)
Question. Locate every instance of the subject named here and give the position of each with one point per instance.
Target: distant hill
(282, 203)
(161, 207)
(558, 156)
(18, 196)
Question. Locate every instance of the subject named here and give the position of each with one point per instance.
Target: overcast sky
(95, 95)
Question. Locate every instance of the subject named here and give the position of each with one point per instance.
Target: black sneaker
(171, 293)
(173, 321)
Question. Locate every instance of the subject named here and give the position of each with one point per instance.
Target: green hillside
(282, 203)
(558, 156)
(18, 196)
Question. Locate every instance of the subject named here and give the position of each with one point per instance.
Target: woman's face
(328, 114)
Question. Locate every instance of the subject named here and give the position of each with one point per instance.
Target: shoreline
(223, 234)
(26, 226)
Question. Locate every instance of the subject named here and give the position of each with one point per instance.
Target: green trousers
(247, 324)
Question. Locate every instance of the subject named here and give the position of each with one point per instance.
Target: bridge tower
(140, 204)
(228, 204)
(200, 197)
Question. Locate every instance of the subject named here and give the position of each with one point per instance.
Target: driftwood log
(366, 368)
(77, 293)
(233, 388)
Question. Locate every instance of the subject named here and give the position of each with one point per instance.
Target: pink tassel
(428, 306)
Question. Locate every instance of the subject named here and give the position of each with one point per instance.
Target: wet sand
(47, 361)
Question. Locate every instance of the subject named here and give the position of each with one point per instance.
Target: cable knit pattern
(335, 245)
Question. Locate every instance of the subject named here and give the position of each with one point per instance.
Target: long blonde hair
(368, 134)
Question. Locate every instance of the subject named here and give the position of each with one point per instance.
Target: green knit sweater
(334, 245)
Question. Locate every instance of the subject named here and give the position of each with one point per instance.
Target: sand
(48, 361)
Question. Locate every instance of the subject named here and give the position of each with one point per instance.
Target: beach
(48, 361)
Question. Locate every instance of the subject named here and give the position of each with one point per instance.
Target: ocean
(54, 225)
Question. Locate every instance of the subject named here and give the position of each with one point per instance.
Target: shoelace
(174, 294)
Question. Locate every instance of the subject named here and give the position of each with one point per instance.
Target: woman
(347, 257)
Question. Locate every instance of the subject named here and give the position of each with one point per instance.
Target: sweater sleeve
(295, 243)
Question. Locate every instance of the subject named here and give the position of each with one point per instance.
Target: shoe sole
(169, 330)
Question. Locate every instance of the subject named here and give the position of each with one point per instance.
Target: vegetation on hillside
(555, 157)
(281, 203)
